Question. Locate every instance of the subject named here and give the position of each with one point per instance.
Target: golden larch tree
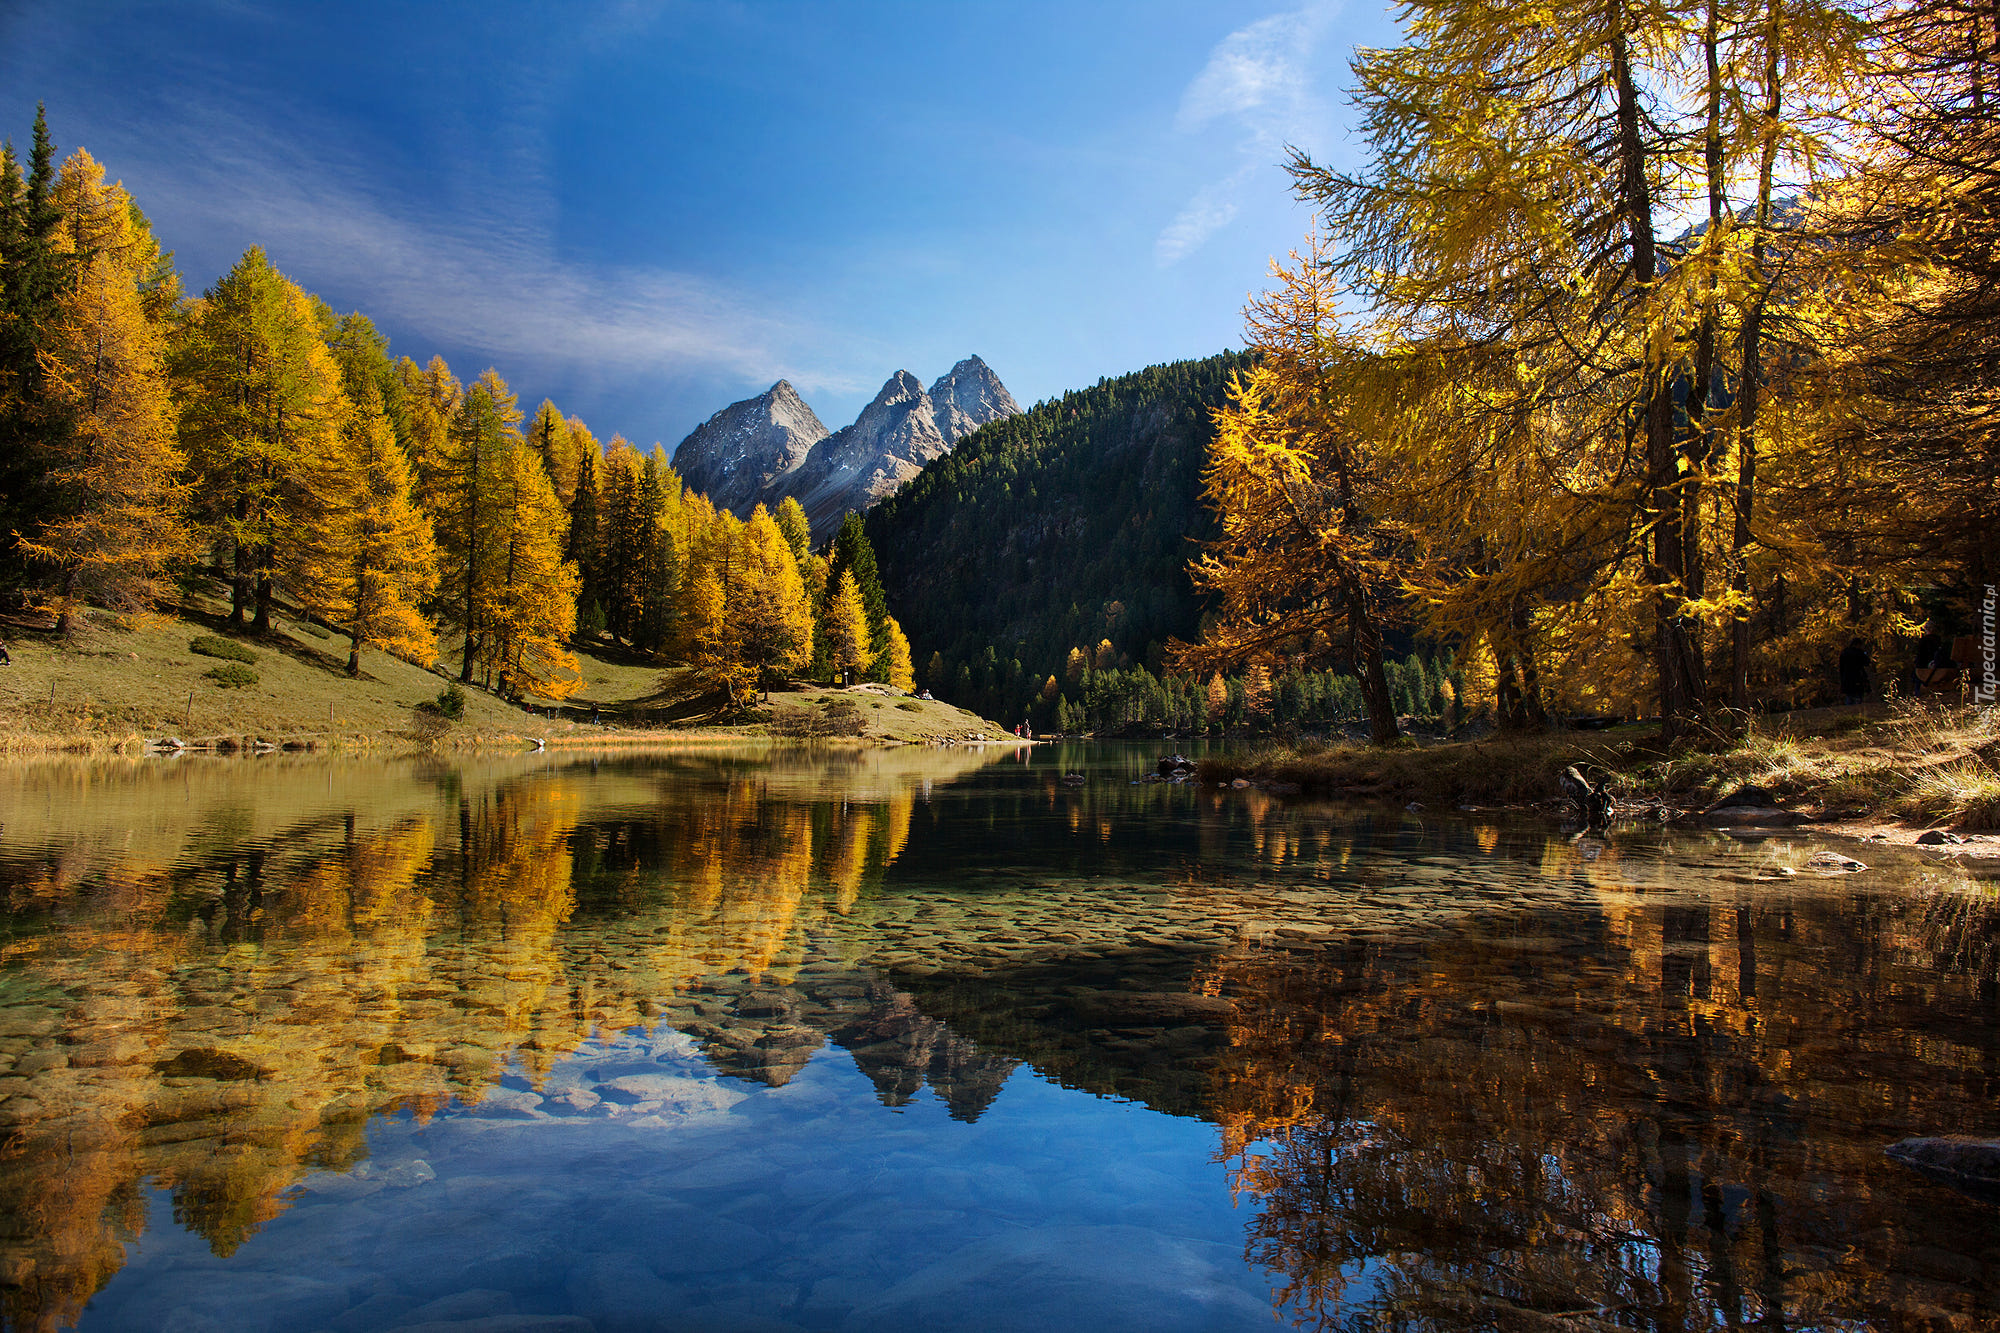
(847, 629)
(366, 560)
(770, 606)
(120, 524)
(527, 612)
(260, 398)
(896, 657)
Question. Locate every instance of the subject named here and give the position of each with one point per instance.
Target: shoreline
(1870, 773)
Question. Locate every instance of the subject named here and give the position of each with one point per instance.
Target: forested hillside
(150, 442)
(1061, 529)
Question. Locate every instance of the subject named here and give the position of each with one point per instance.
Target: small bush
(231, 675)
(435, 715)
(208, 645)
(908, 707)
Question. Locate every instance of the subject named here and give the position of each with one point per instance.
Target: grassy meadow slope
(117, 684)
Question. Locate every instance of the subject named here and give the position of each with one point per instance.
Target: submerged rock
(1739, 816)
(205, 1062)
(1969, 1165)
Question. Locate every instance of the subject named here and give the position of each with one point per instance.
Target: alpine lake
(930, 1039)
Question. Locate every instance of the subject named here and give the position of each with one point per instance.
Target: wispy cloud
(1211, 209)
(484, 274)
(1259, 85)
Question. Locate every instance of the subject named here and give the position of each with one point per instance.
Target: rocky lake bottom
(921, 1038)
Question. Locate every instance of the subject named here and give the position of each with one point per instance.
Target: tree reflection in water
(1465, 1074)
(1677, 1124)
(217, 1009)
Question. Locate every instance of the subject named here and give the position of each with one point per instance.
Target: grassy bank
(117, 684)
(1920, 763)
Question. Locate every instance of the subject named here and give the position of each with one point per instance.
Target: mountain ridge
(761, 450)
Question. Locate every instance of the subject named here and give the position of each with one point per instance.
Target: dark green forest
(1041, 568)
(1058, 529)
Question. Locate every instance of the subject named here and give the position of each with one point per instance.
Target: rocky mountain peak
(736, 455)
(765, 448)
(968, 396)
(900, 387)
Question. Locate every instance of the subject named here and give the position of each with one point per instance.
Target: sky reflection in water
(810, 1041)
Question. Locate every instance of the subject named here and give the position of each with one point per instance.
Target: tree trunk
(262, 624)
(1513, 716)
(66, 619)
(240, 575)
(1751, 385)
(1675, 657)
(1700, 448)
(1366, 637)
(471, 563)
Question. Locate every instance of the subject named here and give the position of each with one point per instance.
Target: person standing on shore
(1854, 672)
(1934, 662)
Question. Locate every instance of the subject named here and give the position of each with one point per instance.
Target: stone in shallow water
(251, 1302)
(503, 1323)
(368, 1178)
(509, 1104)
(572, 1101)
(206, 1062)
(478, 1303)
(1966, 1164)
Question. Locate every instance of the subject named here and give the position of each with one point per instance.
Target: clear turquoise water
(930, 1039)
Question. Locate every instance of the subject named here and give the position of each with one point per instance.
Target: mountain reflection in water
(1463, 1073)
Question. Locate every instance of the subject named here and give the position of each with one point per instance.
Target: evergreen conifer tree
(580, 545)
(475, 484)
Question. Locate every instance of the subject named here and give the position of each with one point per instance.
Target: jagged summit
(968, 396)
(768, 447)
(734, 457)
(889, 443)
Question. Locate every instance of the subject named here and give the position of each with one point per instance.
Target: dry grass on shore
(118, 683)
(1929, 763)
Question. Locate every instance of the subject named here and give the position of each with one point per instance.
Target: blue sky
(647, 210)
